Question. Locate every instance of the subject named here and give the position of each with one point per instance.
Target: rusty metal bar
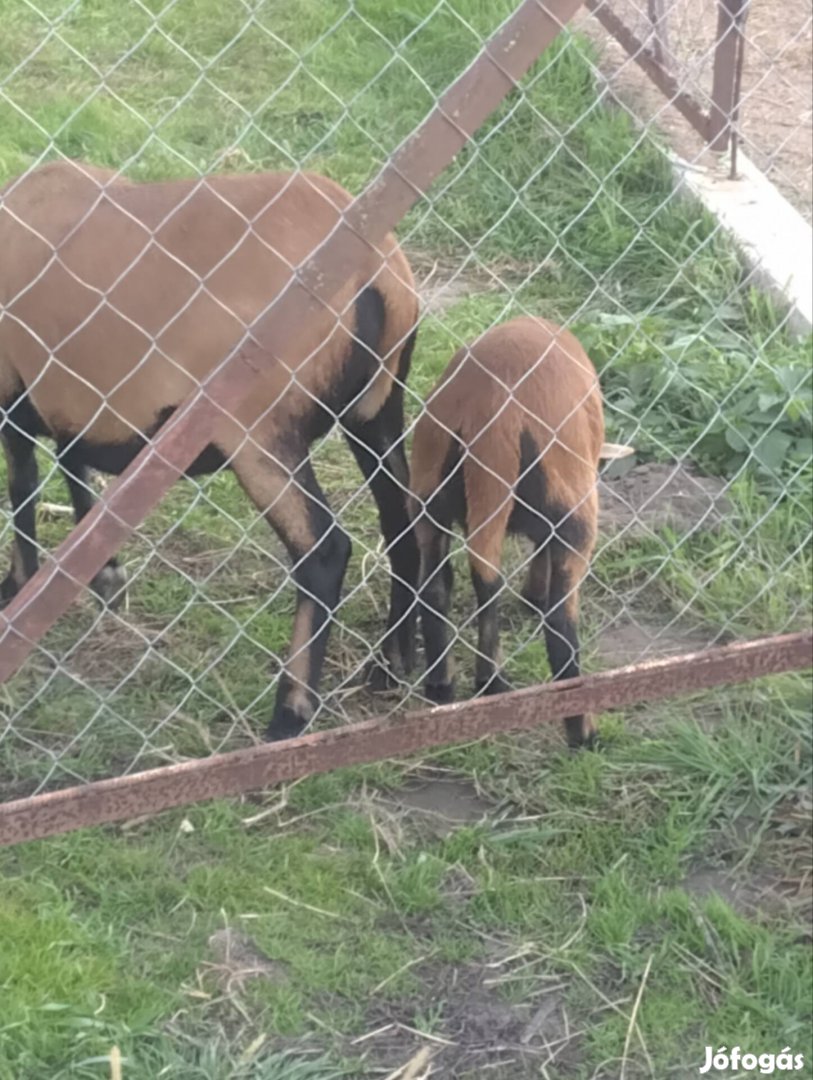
(644, 58)
(660, 33)
(727, 59)
(459, 112)
(373, 740)
(735, 113)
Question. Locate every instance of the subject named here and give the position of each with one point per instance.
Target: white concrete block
(775, 239)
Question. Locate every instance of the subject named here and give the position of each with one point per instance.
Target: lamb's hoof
(110, 585)
(581, 734)
(439, 693)
(532, 604)
(590, 743)
(286, 724)
(495, 685)
(380, 676)
(409, 656)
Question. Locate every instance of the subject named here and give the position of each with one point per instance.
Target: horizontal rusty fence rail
(504, 59)
(374, 740)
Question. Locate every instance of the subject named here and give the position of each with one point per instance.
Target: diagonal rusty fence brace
(646, 59)
(375, 740)
(504, 59)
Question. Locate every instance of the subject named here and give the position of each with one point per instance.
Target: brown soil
(649, 496)
(631, 638)
(458, 1012)
(748, 895)
(474, 1031)
(441, 283)
(236, 959)
(113, 649)
(776, 117)
(441, 805)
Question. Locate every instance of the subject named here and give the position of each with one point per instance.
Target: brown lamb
(509, 441)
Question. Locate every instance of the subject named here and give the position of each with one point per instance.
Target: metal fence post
(727, 60)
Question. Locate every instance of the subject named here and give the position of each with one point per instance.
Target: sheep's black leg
(319, 568)
(378, 448)
(437, 580)
(487, 678)
(23, 484)
(295, 507)
(563, 545)
(489, 507)
(110, 583)
(567, 568)
(535, 593)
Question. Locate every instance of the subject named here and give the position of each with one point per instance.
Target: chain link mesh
(564, 206)
(775, 120)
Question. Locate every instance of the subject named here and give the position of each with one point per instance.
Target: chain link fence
(563, 206)
(771, 90)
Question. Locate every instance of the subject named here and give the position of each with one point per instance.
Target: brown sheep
(509, 441)
(118, 298)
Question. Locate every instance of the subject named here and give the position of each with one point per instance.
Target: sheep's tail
(396, 286)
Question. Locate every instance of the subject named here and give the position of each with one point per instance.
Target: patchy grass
(335, 927)
(350, 914)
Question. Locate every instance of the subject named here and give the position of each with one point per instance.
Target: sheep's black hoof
(439, 693)
(495, 685)
(110, 585)
(8, 590)
(591, 743)
(581, 735)
(389, 666)
(533, 604)
(380, 675)
(409, 655)
(286, 724)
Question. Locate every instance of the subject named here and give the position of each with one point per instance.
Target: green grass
(584, 867)
(581, 878)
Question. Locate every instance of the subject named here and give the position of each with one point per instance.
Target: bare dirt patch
(752, 893)
(439, 806)
(236, 960)
(472, 1030)
(634, 637)
(113, 649)
(444, 282)
(705, 881)
(444, 292)
(200, 557)
(651, 496)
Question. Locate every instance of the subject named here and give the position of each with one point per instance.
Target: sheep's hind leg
(23, 485)
(378, 447)
(568, 565)
(385, 468)
(535, 593)
(437, 580)
(487, 518)
(295, 507)
(110, 584)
